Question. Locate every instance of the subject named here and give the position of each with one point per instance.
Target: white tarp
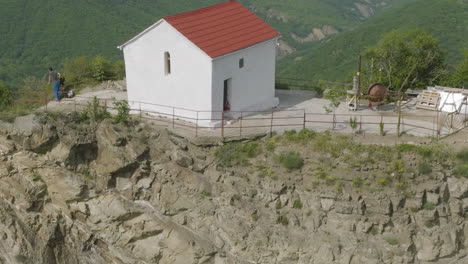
(451, 102)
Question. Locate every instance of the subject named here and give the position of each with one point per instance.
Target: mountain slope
(36, 34)
(335, 58)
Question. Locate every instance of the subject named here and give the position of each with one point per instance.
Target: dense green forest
(41, 33)
(336, 57)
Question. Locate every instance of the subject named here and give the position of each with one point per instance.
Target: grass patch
(384, 181)
(264, 171)
(463, 155)
(88, 175)
(254, 217)
(391, 241)
(278, 205)
(291, 160)
(303, 135)
(358, 182)
(36, 176)
(461, 170)
(282, 219)
(205, 194)
(297, 204)
(428, 206)
(424, 168)
(271, 144)
(21, 258)
(237, 153)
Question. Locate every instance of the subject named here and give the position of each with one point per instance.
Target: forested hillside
(336, 57)
(36, 34)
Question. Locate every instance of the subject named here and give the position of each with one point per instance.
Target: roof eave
(121, 47)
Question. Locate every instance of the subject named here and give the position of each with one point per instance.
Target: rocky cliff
(84, 192)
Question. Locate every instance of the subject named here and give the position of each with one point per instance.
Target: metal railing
(244, 123)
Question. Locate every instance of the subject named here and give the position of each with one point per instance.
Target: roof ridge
(201, 9)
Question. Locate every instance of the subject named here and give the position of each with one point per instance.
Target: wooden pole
(304, 125)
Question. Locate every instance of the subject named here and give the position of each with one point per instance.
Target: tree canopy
(5, 96)
(459, 77)
(405, 59)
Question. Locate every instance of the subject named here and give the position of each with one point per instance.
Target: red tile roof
(223, 28)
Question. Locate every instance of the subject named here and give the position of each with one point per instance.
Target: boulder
(458, 187)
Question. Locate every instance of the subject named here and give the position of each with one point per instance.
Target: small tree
(459, 78)
(101, 68)
(123, 112)
(333, 95)
(94, 111)
(406, 58)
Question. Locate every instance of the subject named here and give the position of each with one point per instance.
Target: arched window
(241, 63)
(167, 62)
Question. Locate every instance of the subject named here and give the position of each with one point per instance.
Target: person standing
(54, 78)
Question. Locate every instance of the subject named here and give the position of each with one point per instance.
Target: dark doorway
(227, 95)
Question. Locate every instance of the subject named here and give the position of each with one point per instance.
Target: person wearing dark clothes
(54, 78)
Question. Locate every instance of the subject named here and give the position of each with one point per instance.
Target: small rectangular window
(241, 63)
(167, 63)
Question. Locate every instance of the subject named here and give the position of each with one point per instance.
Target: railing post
(360, 123)
(196, 127)
(139, 103)
(240, 125)
(46, 101)
(304, 125)
(438, 130)
(271, 122)
(222, 124)
(173, 117)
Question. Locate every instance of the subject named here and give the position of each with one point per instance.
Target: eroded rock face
(133, 198)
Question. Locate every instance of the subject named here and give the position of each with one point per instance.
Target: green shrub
(94, 111)
(303, 135)
(101, 68)
(297, 204)
(382, 128)
(461, 170)
(123, 112)
(118, 69)
(278, 205)
(425, 168)
(5, 96)
(398, 166)
(237, 153)
(271, 144)
(384, 181)
(463, 155)
(353, 123)
(281, 86)
(358, 182)
(291, 160)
